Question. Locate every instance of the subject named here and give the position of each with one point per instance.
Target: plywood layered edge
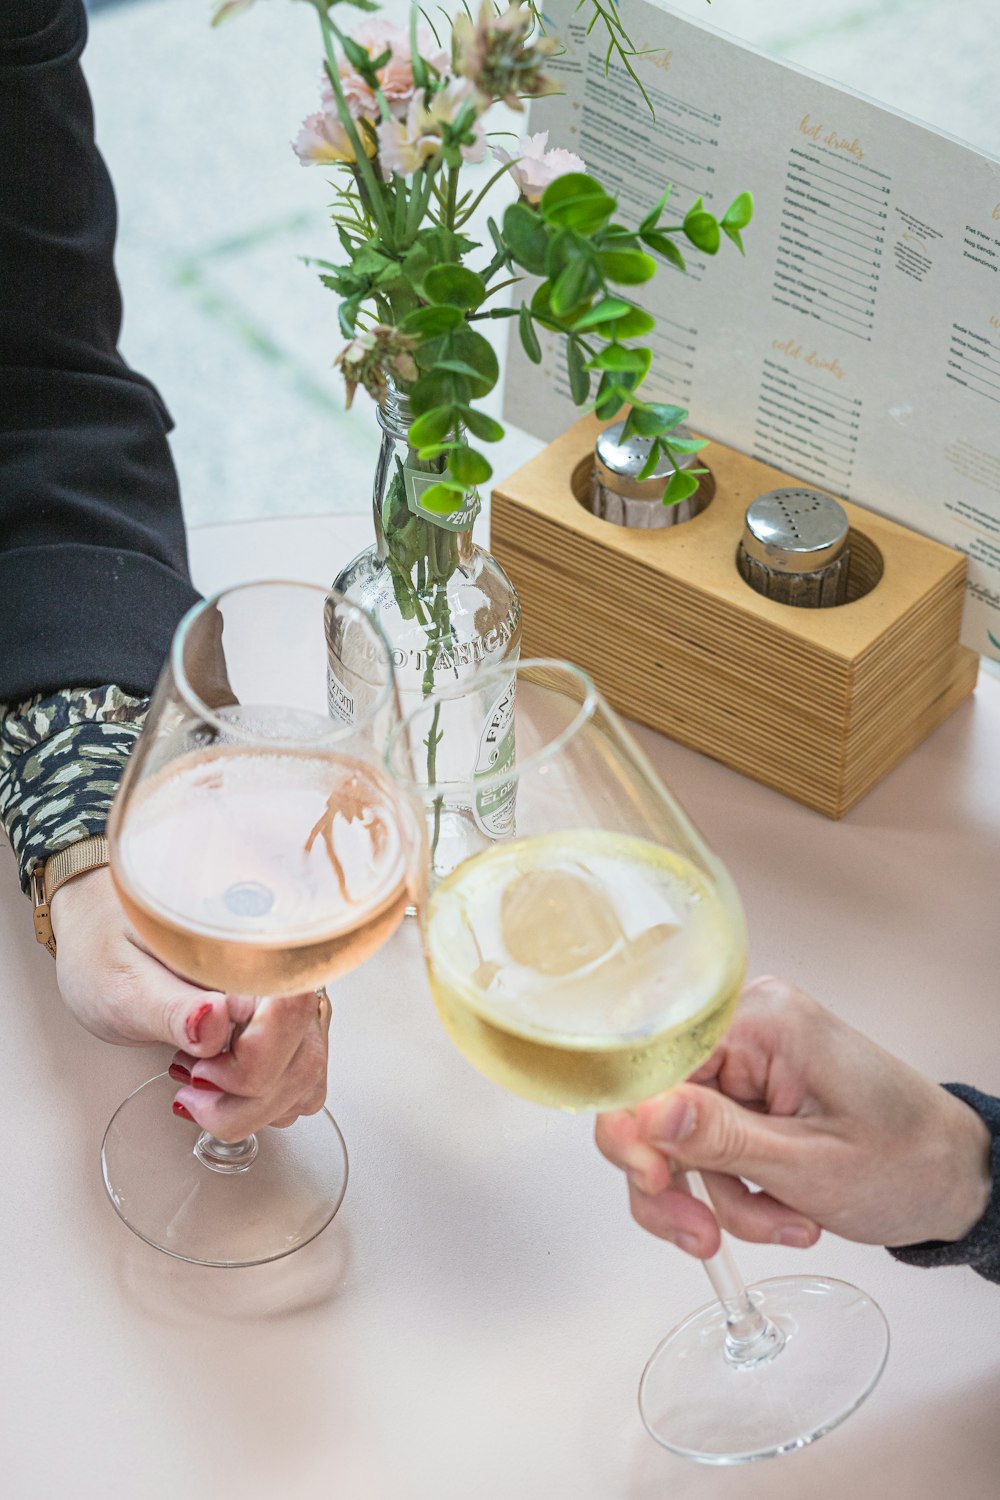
(819, 704)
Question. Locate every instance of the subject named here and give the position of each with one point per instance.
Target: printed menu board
(857, 344)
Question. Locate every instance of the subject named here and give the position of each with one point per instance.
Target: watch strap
(66, 864)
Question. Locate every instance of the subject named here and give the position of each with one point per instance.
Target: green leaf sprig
(585, 258)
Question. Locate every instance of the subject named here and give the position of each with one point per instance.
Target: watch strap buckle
(43, 919)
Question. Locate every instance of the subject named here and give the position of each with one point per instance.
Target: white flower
(533, 168)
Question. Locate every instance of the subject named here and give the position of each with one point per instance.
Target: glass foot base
(700, 1405)
(169, 1198)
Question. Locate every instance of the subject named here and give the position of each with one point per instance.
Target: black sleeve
(981, 1247)
(93, 561)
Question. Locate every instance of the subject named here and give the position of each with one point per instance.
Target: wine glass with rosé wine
(585, 950)
(259, 848)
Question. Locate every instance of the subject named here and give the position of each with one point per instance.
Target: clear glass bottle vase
(449, 613)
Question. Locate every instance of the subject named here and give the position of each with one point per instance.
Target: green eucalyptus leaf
(486, 428)
(602, 312)
(469, 467)
(541, 301)
(458, 367)
(529, 338)
(650, 420)
(579, 375)
(570, 287)
(653, 217)
(739, 213)
(585, 215)
(634, 325)
(735, 236)
(617, 357)
(682, 484)
(430, 351)
(478, 353)
(430, 390)
(526, 237)
(572, 187)
(455, 286)
(685, 445)
(702, 229)
(564, 247)
(431, 322)
(617, 237)
(628, 267)
(610, 400)
(651, 465)
(434, 450)
(659, 240)
(442, 498)
(432, 427)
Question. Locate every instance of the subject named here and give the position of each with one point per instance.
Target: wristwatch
(76, 859)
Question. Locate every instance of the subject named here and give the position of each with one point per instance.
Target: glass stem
(751, 1339)
(227, 1157)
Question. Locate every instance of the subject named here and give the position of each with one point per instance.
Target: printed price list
(974, 361)
(831, 241)
(805, 427)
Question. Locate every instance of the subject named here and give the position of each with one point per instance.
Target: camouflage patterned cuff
(61, 759)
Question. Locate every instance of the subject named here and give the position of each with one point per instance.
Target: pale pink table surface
(474, 1322)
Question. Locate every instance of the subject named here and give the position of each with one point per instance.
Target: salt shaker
(619, 496)
(794, 548)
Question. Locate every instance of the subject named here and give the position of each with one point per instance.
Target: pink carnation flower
(395, 79)
(533, 168)
(323, 139)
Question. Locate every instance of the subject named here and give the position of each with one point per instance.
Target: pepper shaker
(794, 548)
(619, 496)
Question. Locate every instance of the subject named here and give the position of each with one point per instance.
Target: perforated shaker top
(795, 530)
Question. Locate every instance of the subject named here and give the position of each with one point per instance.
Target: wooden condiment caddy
(818, 703)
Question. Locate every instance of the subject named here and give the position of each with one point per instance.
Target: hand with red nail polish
(116, 989)
(274, 1072)
(276, 1069)
(834, 1132)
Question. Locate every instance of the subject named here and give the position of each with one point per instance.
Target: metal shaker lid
(795, 530)
(618, 463)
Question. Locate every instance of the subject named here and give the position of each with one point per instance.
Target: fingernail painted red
(179, 1109)
(179, 1074)
(193, 1023)
(206, 1084)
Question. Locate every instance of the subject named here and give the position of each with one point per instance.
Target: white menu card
(857, 344)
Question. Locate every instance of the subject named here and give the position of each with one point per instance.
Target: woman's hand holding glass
(259, 849)
(275, 1071)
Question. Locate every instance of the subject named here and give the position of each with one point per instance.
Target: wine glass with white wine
(259, 848)
(585, 950)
